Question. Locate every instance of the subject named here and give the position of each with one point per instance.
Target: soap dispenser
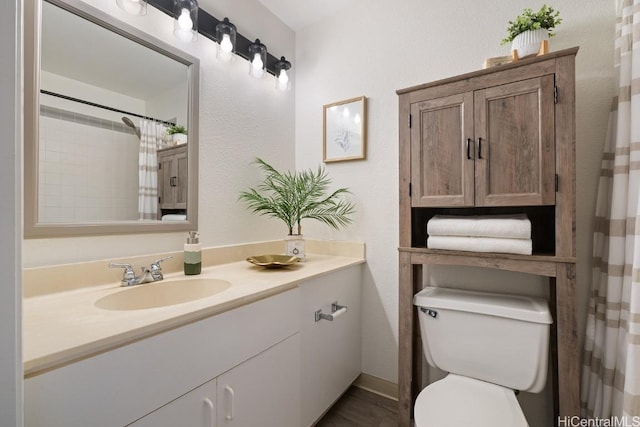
(192, 254)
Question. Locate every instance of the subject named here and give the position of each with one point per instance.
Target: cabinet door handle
(469, 148)
(212, 417)
(337, 310)
(480, 148)
(172, 181)
(229, 391)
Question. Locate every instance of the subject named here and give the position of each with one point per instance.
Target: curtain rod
(93, 104)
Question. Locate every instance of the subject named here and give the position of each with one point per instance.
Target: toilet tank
(498, 338)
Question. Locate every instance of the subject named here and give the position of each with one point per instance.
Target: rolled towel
(481, 244)
(504, 226)
(174, 217)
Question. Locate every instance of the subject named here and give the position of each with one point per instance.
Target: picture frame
(345, 130)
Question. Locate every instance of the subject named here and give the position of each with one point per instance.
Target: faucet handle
(155, 265)
(156, 270)
(128, 274)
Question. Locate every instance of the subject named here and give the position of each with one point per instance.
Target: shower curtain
(151, 139)
(611, 369)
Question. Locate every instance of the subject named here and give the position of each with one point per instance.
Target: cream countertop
(63, 327)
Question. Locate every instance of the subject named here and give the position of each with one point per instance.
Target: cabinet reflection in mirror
(107, 107)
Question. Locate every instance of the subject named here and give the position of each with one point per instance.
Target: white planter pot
(528, 43)
(179, 138)
(294, 246)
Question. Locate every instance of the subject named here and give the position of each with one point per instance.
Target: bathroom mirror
(100, 99)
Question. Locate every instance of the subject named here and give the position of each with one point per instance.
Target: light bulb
(283, 78)
(184, 21)
(256, 66)
(257, 63)
(132, 7)
(225, 44)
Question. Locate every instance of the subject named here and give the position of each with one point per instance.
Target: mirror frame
(32, 38)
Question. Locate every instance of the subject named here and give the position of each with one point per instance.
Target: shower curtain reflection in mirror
(152, 137)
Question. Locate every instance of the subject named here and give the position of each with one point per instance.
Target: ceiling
(298, 14)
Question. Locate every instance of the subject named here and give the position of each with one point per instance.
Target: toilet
(490, 345)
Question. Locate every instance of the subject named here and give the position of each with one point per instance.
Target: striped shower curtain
(611, 369)
(151, 139)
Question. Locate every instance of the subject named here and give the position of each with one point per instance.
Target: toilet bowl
(462, 401)
(490, 345)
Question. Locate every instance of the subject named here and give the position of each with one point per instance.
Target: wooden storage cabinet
(499, 140)
(492, 146)
(172, 177)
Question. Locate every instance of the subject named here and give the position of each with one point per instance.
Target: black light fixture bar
(207, 27)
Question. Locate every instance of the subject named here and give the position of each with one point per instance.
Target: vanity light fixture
(257, 59)
(133, 7)
(199, 21)
(226, 37)
(185, 22)
(282, 76)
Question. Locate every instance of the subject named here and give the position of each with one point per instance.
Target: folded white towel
(174, 217)
(504, 226)
(481, 244)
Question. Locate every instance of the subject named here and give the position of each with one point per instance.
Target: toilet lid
(461, 401)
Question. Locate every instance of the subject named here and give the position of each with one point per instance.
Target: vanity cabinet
(121, 386)
(264, 390)
(491, 146)
(172, 177)
(238, 398)
(331, 350)
(266, 363)
(195, 409)
(494, 141)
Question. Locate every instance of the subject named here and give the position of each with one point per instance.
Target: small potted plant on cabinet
(178, 134)
(529, 32)
(294, 196)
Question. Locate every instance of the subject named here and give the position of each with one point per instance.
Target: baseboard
(377, 385)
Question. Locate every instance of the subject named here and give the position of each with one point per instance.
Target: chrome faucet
(151, 274)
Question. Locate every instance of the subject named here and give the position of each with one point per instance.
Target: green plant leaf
(294, 196)
(547, 17)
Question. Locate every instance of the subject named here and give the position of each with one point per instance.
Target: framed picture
(345, 130)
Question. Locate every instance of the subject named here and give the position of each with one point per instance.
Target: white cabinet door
(194, 409)
(263, 391)
(331, 350)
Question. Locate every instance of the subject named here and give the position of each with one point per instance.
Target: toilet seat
(461, 401)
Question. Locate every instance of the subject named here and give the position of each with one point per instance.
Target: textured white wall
(375, 47)
(240, 118)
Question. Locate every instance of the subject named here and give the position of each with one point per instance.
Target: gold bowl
(273, 261)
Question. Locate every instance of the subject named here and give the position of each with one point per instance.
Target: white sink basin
(162, 294)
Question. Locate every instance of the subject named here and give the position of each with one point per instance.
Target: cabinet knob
(468, 148)
(480, 148)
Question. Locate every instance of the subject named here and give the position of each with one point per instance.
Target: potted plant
(530, 28)
(178, 134)
(294, 196)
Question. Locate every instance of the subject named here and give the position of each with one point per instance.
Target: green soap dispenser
(192, 254)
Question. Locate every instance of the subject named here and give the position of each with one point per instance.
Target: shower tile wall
(88, 169)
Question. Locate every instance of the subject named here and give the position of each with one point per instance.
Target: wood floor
(358, 407)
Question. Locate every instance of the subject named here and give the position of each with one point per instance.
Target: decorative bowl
(273, 261)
